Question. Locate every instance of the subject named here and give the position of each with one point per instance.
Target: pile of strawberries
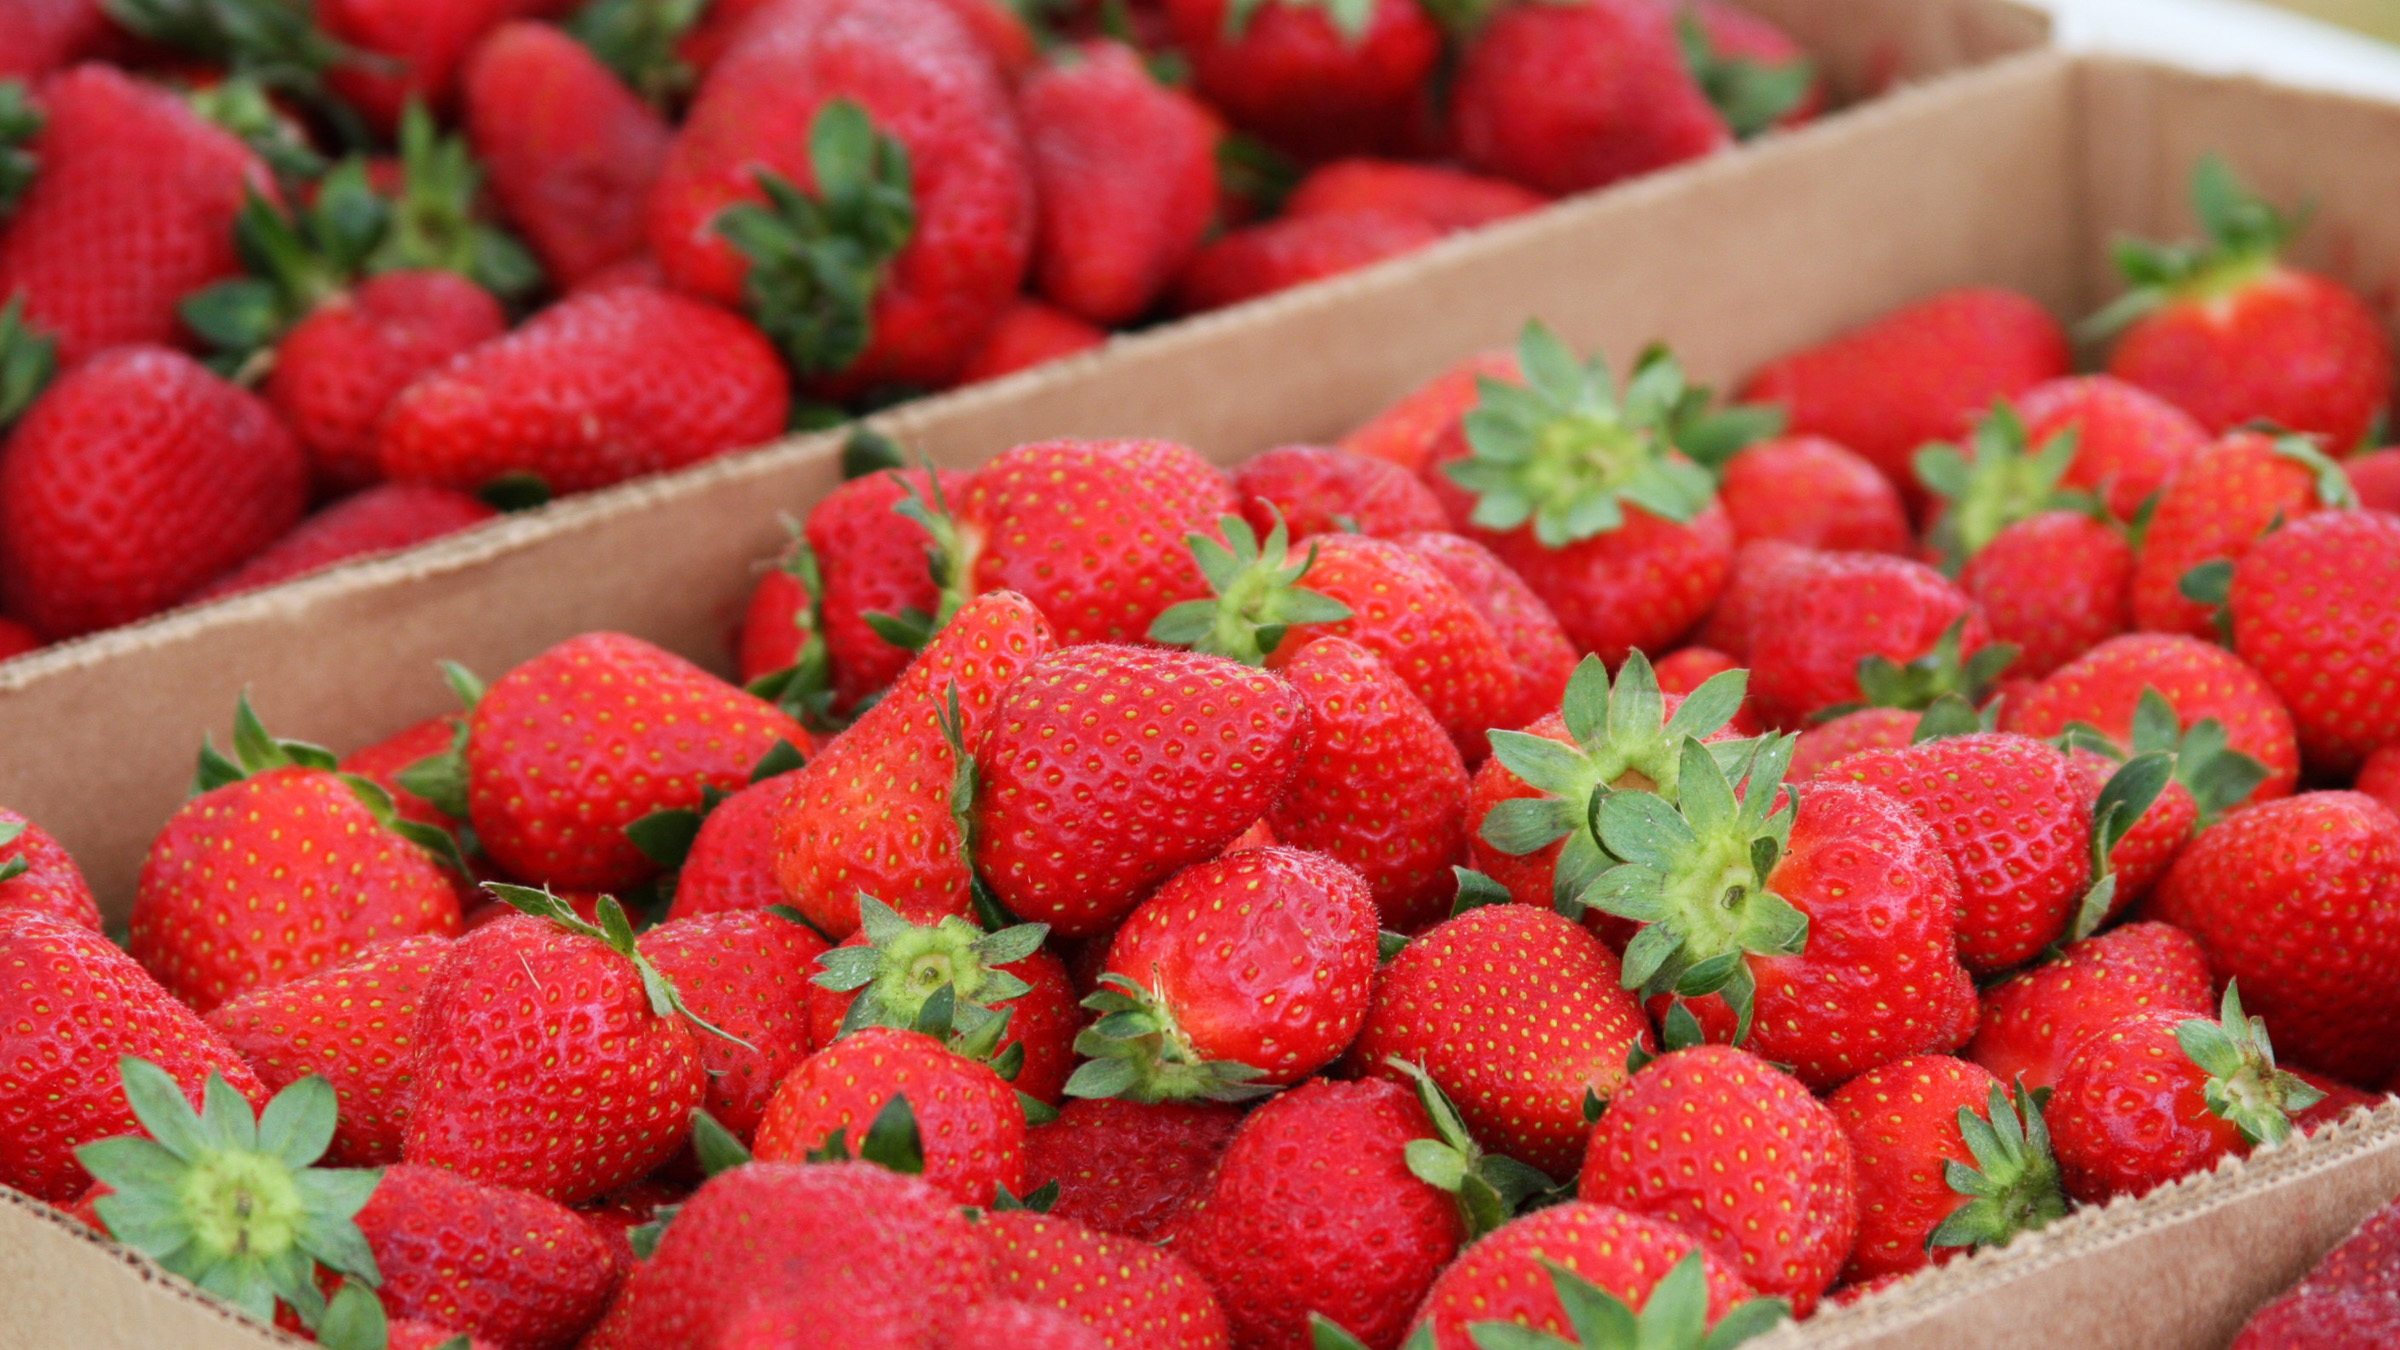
(1573, 864)
(285, 285)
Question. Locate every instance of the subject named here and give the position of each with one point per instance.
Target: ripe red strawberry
(731, 863)
(1317, 489)
(2143, 854)
(1920, 373)
(1125, 172)
(1444, 198)
(1240, 974)
(779, 625)
(1408, 431)
(1909, 1124)
(134, 480)
(2215, 509)
(1519, 1016)
(1770, 1187)
(1127, 1168)
(971, 1127)
(1831, 741)
(1501, 1278)
(745, 972)
(1005, 1324)
(1314, 1209)
(2375, 478)
(39, 36)
(1535, 642)
(2128, 442)
(354, 1026)
(551, 1055)
(600, 387)
(1806, 490)
(1131, 1293)
(38, 876)
(1312, 78)
(2316, 610)
(2200, 682)
(2229, 334)
(870, 559)
(2379, 777)
(570, 151)
(832, 100)
(2339, 1101)
(383, 762)
(384, 518)
(1106, 769)
(2348, 1299)
(401, 52)
(2053, 586)
(409, 1333)
(2160, 1095)
(71, 1005)
(17, 638)
(500, 1264)
(131, 210)
(1820, 619)
(1258, 260)
(1027, 334)
(873, 812)
(2299, 899)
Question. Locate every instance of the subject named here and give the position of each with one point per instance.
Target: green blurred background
(2379, 17)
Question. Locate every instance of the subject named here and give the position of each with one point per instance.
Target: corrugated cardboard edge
(68, 1289)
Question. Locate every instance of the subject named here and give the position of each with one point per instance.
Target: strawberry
(1806, 490)
(1780, 1199)
(1027, 334)
(39, 36)
(1519, 1016)
(1315, 1209)
(502, 1265)
(400, 52)
(1830, 625)
(2348, 1299)
(1539, 647)
(1239, 975)
(38, 876)
(2053, 586)
(1258, 260)
(2375, 478)
(551, 1055)
(1754, 71)
(1638, 1261)
(553, 399)
(2339, 1101)
(1314, 79)
(1757, 567)
(1125, 172)
(2141, 856)
(1005, 1324)
(1681, 672)
(2380, 777)
(72, 1004)
(730, 866)
(870, 140)
(2160, 1095)
(382, 519)
(1127, 1168)
(873, 813)
(1408, 431)
(352, 1025)
(1919, 373)
(131, 209)
(971, 1127)
(2229, 334)
(2316, 611)
(1317, 489)
(1380, 786)
(1946, 1161)
(2299, 899)
(1837, 738)
(779, 632)
(1180, 752)
(571, 151)
(1131, 1293)
(746, 972)
(2128, 442)
(384, 762)
(1447, 199)
(870, 557)
(17, 638)
(135, 479)
(2199, 684)
(2215, 509)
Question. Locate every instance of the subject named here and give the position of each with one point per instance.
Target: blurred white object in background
(2232, 37)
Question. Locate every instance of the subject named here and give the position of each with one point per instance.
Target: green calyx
(2123, 798)
(1923, 681)
(1259, 595)
(615, 932)
(1488, 1188)
(803, 689)
(256, 752)
(1350, 18)
(2218, 776)
(1951, 715)
(666, 837)
(1674, 1317)
(2245, 239)
(638, 40)
(271, 43)
(28, 357)
(1622, 739)
(2013, 1186)
(817, 262)
(434, 224)
(10, 832)
(241, 105)
(1998, 480)
(946, 562)
(905, 965)
(2244, 1086)
(1696, 878)
(20, 122)
(441, 779)
(1135, 1050)
(233, 1202)
(1752, 96)
(892, 1141)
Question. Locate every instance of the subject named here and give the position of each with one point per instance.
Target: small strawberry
(2128, 442)
(1544, 657)
(871, 556)
(2210, 702)
(382, 519)
(38, 876)
(1131, 1293)
(780, 654)
(2035, 1020)
(2316, 610)
(2379, 777)
(1313, 78)
(970, 1127)
(1835, 629)
(1027, 334)
(1408, 431)
(1258, 260)
(1315, 489)
(500, 1264)
(1806, 490)
(1125, 1167)
(745, 972)
(2214, 510)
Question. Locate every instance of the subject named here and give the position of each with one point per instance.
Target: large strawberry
(1312, 77)
(2316, 610)
(2214, 703)
(2214, 510)
(746, 973)
(1127, 1167)
(971, 1128)
(493, 1262)
(2128, 442)
(1806, 490)
(2035, 1020)
(1544, 656)
(1132, 1293)
(1318, 489)
(1830, 630)
(37, 875)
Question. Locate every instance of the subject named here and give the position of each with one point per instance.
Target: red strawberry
(17, 638)
(1519, 1016)
(72, 1004)
(1241, 974)
(872, 813)
(571, 152)
(1005, 1324)
(402, 51)
(409, 1333)
(1125, 172)
(1920, 373)
(38, 876)
(559, 398)
(1770, 1187)
(1313, 78)
(2141, 856)
(1314, 1209)
(2128, 442)
(2299, 899)
(1825, 619)
(971, 1127)
(2316, 610)
(1408, 431)
(1535, 642)
(502, 1265)
(382, 519)
(870, 559)
(551, 1055)
(1316, 489)
(2103, 689)
(135, 479)
(38, 36)
(383, 762)
(2229, 334)
(2339, 1101)
(2346, 1300)
(2053, 586)
(131, 210)
(2375, 478)
(1757, 569)
(2213, 511)
(779, 625)
(1806, 490)
(832, 100)
(1131, 1293)
(1446, 199)
(1027, 334)
(1754, 71)
(746, 973)
(1831, 741)
(1258, 260)
(1501, 1278)
(353, 1025)
(2380, 777)
(1127, 1168)
(731, 863)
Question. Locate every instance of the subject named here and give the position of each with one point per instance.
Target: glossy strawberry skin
(1503, 1278)
(353, 1024)
(1259, 260)
(2299, 900)
(2053, 585)
(72, 1003)
(1043, 1019)
(1543, 654)
(731, 866)
(135, 479)
(2199, 680)
(1129, 1292)
(1125, 1167)
(1902, 1124)
(382, 519)
(2128, 442)
(871, 560)
(1820, 615)
(745, 972)
(600, 387)
(502, 1265)
(1028, 333)
(51, 883)
(2316, 610)
(2216, 507)
(1293, 78)
(1313, 1209)
(1314, 489)
(2129, 1114)
(1831, 741)
(1770, 1186)
(1809, 491)
(972, 1127)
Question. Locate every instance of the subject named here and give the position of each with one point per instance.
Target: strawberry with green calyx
(1950, 666)
(241, 105)
(232, 1201)
(668, 835)
(2035, 1020)
(38, 875)
(782, 656)
(901, 965)
(2207, 779)
(20, 122)
(2013, 1185)
(2095, 700)
(1489, 1187)
(2124, 800)
(1259, 597)
(1313, 78)
(1997, 479)
(745, 971)
(2211, 513)
(2315, 609)
(638, 40)
(278, 47)
(1673, 1317)
(1753, 96)
(966, 1134)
